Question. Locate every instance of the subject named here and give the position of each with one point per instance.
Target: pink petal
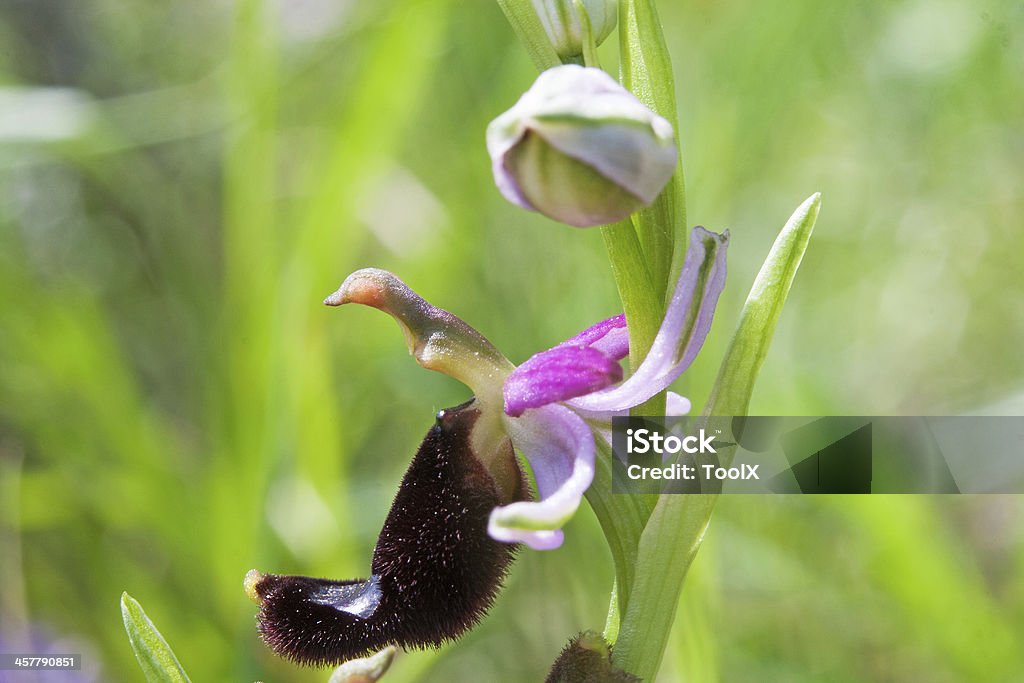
(558, 374)
(559, 446)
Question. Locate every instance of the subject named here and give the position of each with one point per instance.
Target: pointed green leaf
(154, 654)
(735, 383)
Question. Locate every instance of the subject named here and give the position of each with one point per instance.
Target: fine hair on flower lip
(435, 571)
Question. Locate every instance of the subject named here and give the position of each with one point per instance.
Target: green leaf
(646, 71)
(667, 547)
(735, 383)
(526, 24)
(676, 527)
(154, 654)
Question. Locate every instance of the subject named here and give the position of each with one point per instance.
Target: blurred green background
(182, 183)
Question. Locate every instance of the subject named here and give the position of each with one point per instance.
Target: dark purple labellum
(436, 572)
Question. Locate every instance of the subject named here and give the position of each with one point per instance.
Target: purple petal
(559, 446)
(558, 374)
(615, 344)
(608, 336)
(682, 332)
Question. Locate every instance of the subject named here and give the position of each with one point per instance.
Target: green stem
(641, 249)
(640, 302)
(622, 519)
(646, 71)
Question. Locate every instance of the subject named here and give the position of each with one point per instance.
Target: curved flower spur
(464, 503)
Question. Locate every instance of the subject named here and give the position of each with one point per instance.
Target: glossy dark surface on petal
(435, 571)
(296, 622)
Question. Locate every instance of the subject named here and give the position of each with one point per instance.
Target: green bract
(581, 149)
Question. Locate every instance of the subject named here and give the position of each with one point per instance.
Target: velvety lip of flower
(550, 405)
(435, 571)
(580, 148)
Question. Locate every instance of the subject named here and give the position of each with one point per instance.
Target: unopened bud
(581, 149)
(564, 27)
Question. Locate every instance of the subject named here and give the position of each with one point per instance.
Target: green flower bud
(562, 23)
(581, 149)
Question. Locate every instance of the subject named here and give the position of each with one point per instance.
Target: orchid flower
(464, 503)
(550, 405)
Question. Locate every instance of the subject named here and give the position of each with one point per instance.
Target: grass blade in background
(154, 654)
